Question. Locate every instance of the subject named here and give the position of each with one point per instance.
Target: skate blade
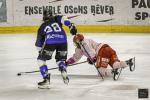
(117, 74)
(132, 68)
(44, 87)
(66, 80)
(65, 77)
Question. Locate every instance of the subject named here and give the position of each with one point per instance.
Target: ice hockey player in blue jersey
(50, 37)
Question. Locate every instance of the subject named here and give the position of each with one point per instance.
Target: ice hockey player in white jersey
(99, 53)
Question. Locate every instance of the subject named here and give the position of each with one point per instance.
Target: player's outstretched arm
(68, 23)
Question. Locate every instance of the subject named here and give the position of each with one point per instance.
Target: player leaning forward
(50, 37)
(100, 53)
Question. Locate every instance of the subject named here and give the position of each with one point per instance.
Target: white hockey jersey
(88, 48)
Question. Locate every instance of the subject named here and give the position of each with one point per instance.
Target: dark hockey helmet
(47, 14)
(77, 39)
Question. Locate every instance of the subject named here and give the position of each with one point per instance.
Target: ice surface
(18, 53)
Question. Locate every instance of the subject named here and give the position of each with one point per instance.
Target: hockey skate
(65, 76)
(131, 64)
(45, 84)
(116, 73)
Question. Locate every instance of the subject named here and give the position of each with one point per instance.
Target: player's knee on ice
(104, 72)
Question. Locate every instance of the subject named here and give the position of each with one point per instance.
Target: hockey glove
(73, 29)
(91, 62)
(70, 61)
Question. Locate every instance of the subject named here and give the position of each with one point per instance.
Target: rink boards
(82, 29)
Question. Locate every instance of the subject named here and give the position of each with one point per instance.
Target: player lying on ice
(99, 53)
(50, 37)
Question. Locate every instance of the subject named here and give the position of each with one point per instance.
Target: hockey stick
(91, 60)
(20, 73)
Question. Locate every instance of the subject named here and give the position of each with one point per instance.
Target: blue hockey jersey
(51, 32)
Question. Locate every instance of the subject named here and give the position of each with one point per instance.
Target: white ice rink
(18, 54)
